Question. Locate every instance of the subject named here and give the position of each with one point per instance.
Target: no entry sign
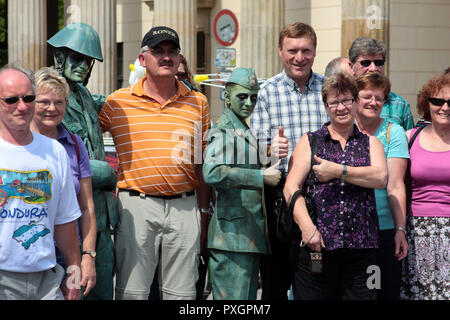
(225, 27)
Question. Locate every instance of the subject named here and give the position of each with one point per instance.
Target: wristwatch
(92, 253)
(344, 172)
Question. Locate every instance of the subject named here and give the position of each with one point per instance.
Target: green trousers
(234, 275)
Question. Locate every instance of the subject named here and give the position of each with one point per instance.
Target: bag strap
(310, 179)
(388, 133)
(313, 150)
(413, 137)
(76, 146)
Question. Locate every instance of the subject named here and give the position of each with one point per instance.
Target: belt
(135, 193)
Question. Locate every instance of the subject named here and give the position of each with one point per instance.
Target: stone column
(259, 31)
(369, 18)
(27, 33)
(101, 15)
(180, 15)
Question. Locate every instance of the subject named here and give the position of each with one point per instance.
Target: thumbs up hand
(280, 145)
(272, 175)
(326, 170)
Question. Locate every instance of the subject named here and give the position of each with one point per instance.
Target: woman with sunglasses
(373, 90)
(51, 99)
(426, 272)
(344, 228)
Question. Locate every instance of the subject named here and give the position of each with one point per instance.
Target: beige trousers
(151, 232)
(43, 285)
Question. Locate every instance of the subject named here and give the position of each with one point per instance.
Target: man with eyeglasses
(76, 47)
(38, 204)
(157, 125)
(369, 55)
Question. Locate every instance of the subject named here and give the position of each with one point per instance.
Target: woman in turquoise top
(373, 90)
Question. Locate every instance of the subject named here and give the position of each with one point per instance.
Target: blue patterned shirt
(280, 103)
(398, 110)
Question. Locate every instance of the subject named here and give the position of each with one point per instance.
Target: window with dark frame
(119, 83)
(201, 52)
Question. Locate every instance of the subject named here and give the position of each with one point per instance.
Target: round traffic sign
(225, 27)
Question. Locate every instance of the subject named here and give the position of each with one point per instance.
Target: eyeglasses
(14, 100)
(366, 63)
(345, 103)
(160, 52)
(369, 98)
(439, 101)
(45, 104)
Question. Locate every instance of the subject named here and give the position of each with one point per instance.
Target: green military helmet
(79, 37)
(244, 77)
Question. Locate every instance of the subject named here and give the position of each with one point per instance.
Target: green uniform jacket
(81, 118)
(232, 167)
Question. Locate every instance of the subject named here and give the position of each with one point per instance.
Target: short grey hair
(28, 73)
(144, 49)
(364, 46)
(334, 66)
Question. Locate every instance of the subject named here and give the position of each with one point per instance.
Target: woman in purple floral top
(349, 165)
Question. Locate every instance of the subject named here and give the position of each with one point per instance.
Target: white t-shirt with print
(36, 193)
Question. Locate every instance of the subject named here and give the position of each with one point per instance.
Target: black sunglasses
(14, 100)
(439, 101)
(182, 75)
(366, 63)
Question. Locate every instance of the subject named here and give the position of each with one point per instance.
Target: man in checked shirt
(289, 105)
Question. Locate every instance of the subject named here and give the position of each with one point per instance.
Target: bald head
(17, 96)
(10, 73)
(337, 65)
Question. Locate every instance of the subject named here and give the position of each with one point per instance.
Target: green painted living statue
(237, 234)
(75, 48)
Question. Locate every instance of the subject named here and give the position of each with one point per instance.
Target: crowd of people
(339, 154)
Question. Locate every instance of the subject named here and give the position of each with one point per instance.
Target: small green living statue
(75, 48)
(237, 234)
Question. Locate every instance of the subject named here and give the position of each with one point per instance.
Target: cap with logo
(159, 34)
(244, 77)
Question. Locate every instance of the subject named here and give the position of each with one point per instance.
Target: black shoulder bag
(286, 226)
(408, 169)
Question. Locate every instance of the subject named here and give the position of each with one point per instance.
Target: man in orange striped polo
(158, 126)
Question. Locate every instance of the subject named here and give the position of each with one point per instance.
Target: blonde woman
(51, 99)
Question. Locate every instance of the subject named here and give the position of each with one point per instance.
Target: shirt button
(342, 202)
(343, 162)
(342, 192)
(342, 184)
(342, 212)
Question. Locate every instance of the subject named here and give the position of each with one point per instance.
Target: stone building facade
(415, 31)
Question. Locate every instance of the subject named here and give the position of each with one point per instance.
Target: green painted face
(76, 66)
(241, 100)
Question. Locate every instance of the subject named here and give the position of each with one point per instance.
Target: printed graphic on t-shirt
(32, 187)
(29, 234)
